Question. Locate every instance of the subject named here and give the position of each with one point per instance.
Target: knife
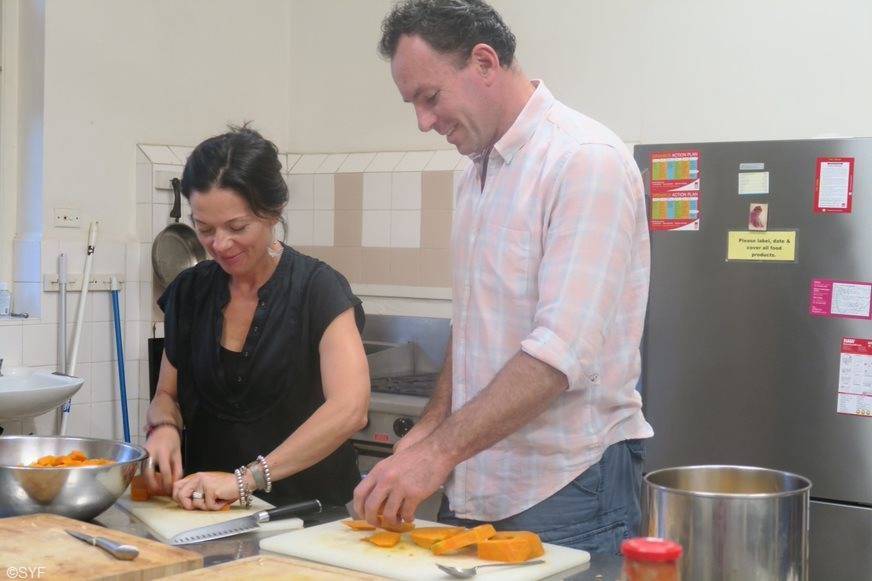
(123, 552)
(245, 524)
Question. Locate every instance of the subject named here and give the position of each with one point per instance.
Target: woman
(263, 366)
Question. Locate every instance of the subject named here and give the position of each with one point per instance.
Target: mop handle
(62, 300)
(80, 316)
(80, 310)
(119, 349)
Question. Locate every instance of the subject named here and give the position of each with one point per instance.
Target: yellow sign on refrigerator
(772, 246)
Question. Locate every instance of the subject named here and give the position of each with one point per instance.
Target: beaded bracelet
(268, 486)
(260, 472)
(244, 493)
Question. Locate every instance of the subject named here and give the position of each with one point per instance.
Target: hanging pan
(176, 247)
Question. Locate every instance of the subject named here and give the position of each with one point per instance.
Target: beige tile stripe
(429, 265)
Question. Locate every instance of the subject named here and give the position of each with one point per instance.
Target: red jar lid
(651, 549)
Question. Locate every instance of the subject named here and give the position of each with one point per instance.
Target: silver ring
(197, 495)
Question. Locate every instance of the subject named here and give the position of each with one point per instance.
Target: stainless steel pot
(736, 523)
(176, 247)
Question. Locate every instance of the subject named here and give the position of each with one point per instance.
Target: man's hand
(418, 432)
(397, 485)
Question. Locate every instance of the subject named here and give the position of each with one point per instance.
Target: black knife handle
(296, 509)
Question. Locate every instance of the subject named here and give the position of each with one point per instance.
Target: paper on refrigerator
(855, 377)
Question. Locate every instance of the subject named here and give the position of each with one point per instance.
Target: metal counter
(600, 568)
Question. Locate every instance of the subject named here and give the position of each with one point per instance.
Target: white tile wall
(27, 260)
(308, 163)
(160, 154)
(181, 152)
(50, 252)
(301, 192)
(331, 163)
(405, 228)
(414, 161)
(300, 227)
(385, 161)
(11, 345)
(40, 345)
(323, 228)
(356, 162)
(290, 162)
(376, 230)
(324, 192)
(79, 422)
(444, 160)
(376, 191)
(406, 191)
(25, 298)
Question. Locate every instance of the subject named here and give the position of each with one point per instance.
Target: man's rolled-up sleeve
(587, 248)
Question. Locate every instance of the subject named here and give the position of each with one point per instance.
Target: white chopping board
(166, 519)
(335, 544)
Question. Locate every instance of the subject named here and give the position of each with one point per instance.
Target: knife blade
(245, 524)
(123, 552)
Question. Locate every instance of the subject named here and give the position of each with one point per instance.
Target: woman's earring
(274, 249)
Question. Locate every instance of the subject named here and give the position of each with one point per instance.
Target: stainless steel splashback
(394, 343)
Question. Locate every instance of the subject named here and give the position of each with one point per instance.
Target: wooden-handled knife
(247, 523)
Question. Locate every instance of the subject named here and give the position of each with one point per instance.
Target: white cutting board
(335, 544)
(166, 519)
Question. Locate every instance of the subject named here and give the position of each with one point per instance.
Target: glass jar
(650, 559)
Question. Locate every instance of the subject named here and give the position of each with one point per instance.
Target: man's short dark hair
(449, 26)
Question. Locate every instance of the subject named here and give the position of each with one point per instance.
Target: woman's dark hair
(243, 161)
(449, 26)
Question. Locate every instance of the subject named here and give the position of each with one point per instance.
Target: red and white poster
(834, 185)
(855, 377)
(675, 190)
(840, 298)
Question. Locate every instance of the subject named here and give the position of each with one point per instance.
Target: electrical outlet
(67, 218)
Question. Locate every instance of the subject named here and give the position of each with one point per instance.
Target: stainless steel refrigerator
(738, 366)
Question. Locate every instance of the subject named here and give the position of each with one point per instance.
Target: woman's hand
(218, 489)
(164, 454)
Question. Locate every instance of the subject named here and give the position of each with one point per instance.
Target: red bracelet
(152, 427)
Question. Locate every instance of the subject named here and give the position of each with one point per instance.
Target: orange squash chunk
(403, 527)
(384, 539)
(425, 537)
(139, 489)
(511, 547)
(74, 458)
(459, 541)
(358, 525)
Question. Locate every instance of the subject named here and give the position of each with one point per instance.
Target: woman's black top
(238, 405)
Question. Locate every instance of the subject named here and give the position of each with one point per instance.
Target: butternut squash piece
(74, 458)
(384, 539)
(425, 537)
(403, 527)
(462, 540)
(511, 547)
(139, 489)
(358, 525)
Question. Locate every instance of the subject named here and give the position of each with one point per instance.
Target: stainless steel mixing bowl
(80, 492)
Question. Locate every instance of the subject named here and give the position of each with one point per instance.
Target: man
(535, 421)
